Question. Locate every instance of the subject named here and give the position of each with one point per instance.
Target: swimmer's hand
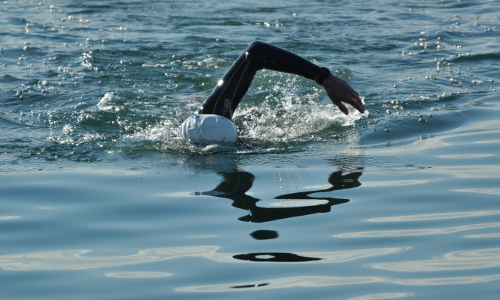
(339, 91)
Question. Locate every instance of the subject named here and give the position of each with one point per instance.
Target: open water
(100, 200)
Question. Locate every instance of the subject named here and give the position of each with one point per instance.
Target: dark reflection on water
(274, 257)
(336, 179)
(264, 234)
(249, 286)
(236, 184)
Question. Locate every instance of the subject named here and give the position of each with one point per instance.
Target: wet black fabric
(235, 83)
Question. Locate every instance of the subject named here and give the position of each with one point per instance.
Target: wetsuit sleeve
(235, 83)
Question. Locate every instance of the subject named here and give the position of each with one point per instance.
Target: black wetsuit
(234, 84)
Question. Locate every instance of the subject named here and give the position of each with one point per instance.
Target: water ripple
(438, 216)
(325, 281)
(75, 259)
(453, 261)
(415, 232)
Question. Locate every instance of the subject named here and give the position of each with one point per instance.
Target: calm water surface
(99, 198)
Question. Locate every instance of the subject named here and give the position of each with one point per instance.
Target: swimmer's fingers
(341, 106)
(356, 103)
(353, 102)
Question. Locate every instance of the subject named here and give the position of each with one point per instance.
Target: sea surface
(100, 199)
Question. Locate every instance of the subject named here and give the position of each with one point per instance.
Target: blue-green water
(100, 200)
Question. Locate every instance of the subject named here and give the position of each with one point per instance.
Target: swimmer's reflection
(235, 184)
(274, 257)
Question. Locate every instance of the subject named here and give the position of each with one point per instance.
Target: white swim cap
(209, 128)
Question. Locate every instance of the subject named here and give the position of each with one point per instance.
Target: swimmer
(212, 122)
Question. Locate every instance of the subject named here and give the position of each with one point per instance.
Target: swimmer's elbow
(257, 46)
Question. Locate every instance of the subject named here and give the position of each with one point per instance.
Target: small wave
(9, 79)
(476, 57)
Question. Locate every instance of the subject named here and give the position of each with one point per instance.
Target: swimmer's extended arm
(234, 84)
